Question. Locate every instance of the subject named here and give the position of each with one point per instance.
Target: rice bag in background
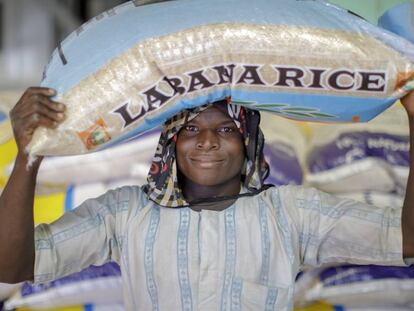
(326, 307)
(284, 166)
(319, 306)
(7, 290)
(7, 101)
(361, 161)
(87, 307)
(131, 68)
(130, 159)
(375, 198)
(94, 285)
(8, 148)
(354, 286)
(50, 206)
(77, 194)
(107, 307)
(5, 128)
(284, 150)
(373, 156)
(400, 20)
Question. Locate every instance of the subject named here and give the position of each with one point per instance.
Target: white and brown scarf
(163, 187)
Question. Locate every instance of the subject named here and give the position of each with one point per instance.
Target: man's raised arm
(34, 109)
(408, 207)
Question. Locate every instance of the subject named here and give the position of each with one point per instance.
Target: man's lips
(205, 161)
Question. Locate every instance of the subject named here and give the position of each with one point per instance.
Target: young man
(204, 233)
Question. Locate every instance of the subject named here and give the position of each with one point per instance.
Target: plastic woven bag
(131, 68)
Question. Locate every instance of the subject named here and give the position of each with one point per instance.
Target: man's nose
(207, 139)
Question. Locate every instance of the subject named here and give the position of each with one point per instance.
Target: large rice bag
(355, 286)
(131, 68)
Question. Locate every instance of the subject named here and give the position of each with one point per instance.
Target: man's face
(210, 151)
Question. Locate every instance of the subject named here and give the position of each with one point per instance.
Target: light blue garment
(243, 258)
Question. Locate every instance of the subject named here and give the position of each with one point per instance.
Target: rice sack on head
(131, 68)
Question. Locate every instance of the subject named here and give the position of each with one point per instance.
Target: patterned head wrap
(162, 186)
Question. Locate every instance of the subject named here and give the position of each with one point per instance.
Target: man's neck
(193, 191)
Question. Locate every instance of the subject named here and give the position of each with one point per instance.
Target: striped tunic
(245, 257)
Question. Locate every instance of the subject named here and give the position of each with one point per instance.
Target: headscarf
(163, 187)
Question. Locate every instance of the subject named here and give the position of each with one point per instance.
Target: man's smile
(205, 161)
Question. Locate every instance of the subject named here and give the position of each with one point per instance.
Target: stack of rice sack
(94, 288)
(129, 160)
(285, 146)
(368, 162)
(328, 307)
(353, 287)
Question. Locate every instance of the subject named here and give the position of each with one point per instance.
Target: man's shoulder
(126, 195)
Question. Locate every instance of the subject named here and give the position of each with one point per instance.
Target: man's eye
(226, 129)
(191, 128)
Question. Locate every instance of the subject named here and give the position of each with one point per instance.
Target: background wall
(369, 9)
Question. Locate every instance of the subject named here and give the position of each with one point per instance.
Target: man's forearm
(17, 224)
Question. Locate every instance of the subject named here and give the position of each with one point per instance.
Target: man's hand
(35, 108)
